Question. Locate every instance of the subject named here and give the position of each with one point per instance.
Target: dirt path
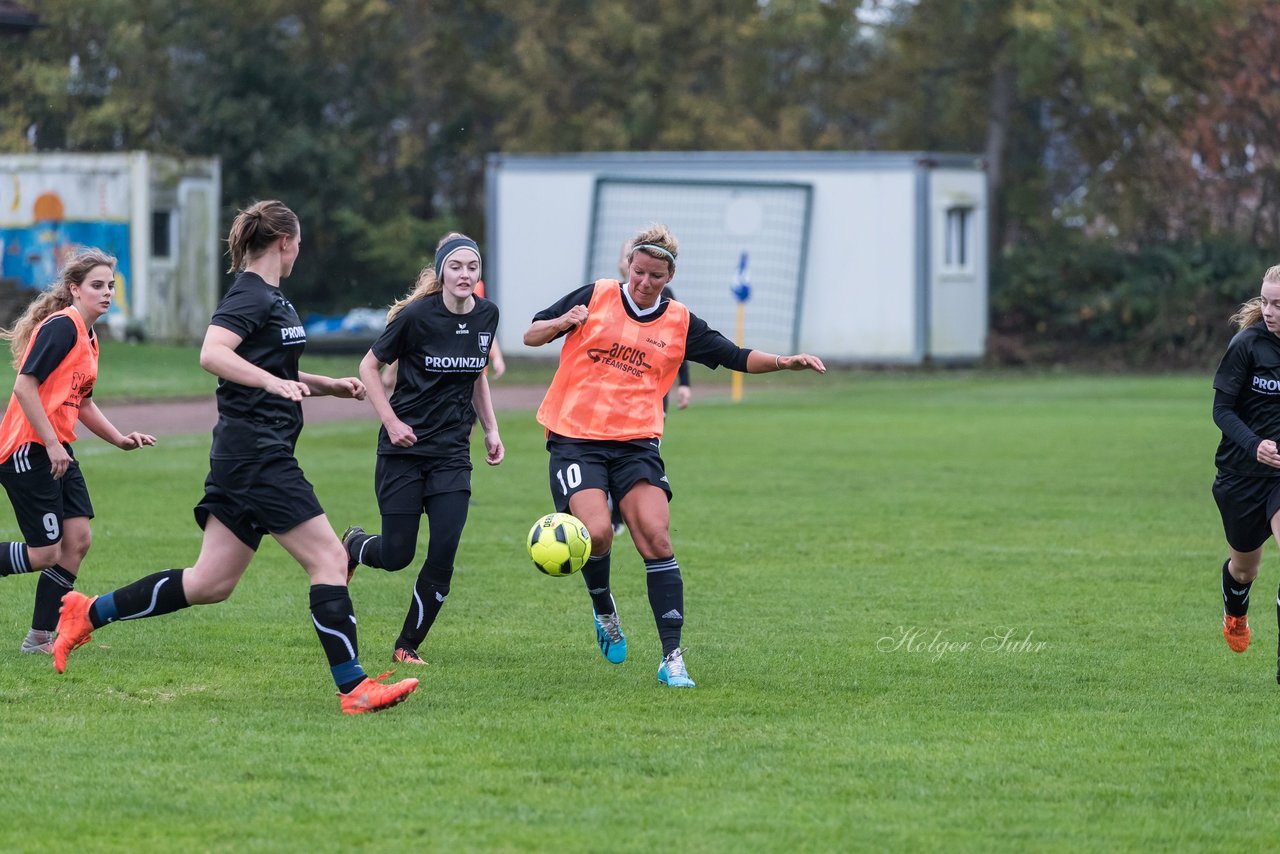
(168, 418)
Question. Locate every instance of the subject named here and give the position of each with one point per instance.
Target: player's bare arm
(400, 434)
(93, 418)
(218, 356)
(349, 387)
(26, 389)
(544, 331)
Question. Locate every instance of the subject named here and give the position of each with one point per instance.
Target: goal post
(716, 222)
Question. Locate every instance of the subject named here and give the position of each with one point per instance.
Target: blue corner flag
(742, 281)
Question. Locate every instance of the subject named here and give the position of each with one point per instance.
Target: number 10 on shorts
(569, 477)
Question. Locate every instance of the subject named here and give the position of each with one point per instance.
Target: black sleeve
(54, 341)
(1224, 415)
(1236, 366)
(707, 347)
(243, 312)
(582, 296)
(390, 343)
(92, 335)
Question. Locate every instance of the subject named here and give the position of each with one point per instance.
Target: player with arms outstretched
(603, 414)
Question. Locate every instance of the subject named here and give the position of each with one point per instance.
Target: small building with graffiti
(158, 215)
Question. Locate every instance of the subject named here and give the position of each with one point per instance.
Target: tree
(1230, 136)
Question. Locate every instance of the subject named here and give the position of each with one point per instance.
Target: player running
(603, 415)
(1246, 408)
(56, 353)
(442, 336)
(255, 485)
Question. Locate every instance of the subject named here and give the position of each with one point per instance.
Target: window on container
(959, 232)
(161, 233)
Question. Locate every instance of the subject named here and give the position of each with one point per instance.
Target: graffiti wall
(45, 214)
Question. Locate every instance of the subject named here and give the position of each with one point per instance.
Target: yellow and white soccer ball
(559, 544)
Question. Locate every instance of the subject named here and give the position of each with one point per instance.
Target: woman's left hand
(133, 441)
(800, 362)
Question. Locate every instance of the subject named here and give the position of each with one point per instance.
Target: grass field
(925, 612)
(130, 372)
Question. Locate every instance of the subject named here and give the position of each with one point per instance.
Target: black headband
(451, 246)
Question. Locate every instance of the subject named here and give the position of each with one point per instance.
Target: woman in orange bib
(56, 353)
(603, 414)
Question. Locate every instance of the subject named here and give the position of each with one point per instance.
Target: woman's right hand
(59, 460)
(572, 318)
(288, 389)
(400, 434)
(1268, 455)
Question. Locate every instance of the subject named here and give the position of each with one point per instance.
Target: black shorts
(404, 482)
(614, 467)
(40, 503)
(1246, 505)
(258, 496)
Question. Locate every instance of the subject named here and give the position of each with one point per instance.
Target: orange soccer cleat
(372, 696)
(1236, 631)
(74, 628)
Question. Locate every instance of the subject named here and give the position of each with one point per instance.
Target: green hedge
(1090, 302)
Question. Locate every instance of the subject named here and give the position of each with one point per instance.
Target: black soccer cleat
(347, 536)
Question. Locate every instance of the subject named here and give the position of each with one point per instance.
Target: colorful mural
(40, 226)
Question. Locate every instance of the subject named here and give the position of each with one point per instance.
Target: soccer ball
(559, 544)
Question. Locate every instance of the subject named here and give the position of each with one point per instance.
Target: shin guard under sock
(335, 620)
(666, 598)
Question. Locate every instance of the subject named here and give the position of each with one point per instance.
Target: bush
(1090, 302)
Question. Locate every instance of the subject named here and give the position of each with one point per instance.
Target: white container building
(860, 258)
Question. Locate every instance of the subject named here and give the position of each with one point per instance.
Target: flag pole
(741, 293)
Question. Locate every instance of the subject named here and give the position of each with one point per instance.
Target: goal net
(716, 222)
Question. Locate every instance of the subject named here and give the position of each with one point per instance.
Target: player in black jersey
(1246, 407)
(442, 336)
(254, 486)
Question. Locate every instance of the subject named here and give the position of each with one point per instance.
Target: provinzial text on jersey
(446, 363)
(1266, 386)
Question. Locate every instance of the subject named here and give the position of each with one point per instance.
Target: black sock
(362, 548)
(335, 620)
(1235, 595)
(595, 572)
(666, 598)
(52, 585)
(429, 593)
(14, 559)
(157, 594)
(393, 549)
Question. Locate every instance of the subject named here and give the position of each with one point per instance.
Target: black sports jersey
(441, 356)
(1250, 372)
(703, 344)
(54, 340)
(250, 420)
